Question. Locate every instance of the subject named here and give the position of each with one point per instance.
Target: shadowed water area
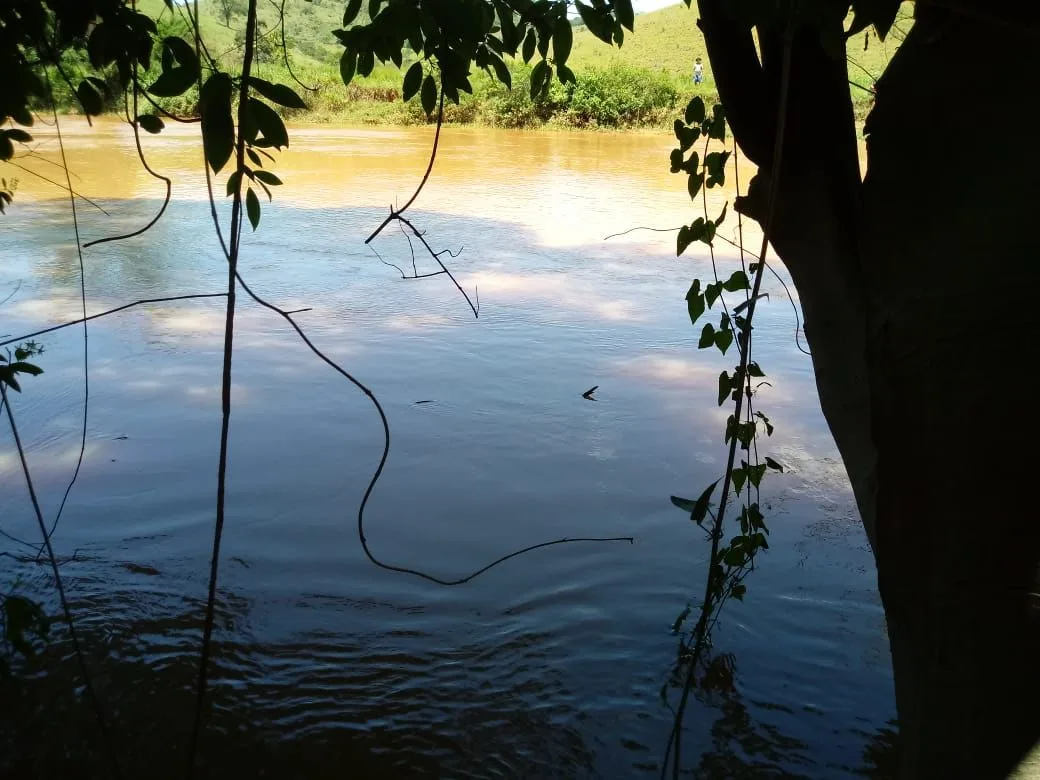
(550, 665)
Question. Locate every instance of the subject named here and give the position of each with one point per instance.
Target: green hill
(640, 83)
(668, 40)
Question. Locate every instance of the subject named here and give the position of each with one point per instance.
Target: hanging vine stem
(144, 162)
(397, 214)
(229, 337)
(726, 567)
(235, 278)
(57, 184)
(384, 422)
(744, 253)
(60, 587)
(83, 308)
(285, 49)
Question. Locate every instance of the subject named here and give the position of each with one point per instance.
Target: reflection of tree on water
(881, 754)
(360, 699)
(745, 747)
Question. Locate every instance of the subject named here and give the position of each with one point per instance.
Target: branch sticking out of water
(398, 215)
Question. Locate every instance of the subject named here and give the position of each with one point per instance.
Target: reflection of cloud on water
(144, 385)
(671, 370)
(702, 374)
(557, 289)
(56, 309)
(210, 393)
(415, 322)
(46, 460)
(202, 321)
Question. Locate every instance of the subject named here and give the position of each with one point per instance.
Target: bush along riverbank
(617, 97)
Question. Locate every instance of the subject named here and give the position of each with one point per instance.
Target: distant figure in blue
(698, 71)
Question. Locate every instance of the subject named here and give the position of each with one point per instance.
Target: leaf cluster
(451, 36)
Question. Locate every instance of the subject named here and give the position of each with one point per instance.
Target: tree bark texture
(917, 284)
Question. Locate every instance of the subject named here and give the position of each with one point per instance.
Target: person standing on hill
(698, 71)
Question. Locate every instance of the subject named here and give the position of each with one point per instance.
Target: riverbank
(618, 97)
(644, 83)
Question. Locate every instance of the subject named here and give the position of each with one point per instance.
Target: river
(549, 665)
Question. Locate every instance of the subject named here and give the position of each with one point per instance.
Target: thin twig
(639, 227)
(14, 292)
(379, 257)
(744, 253)
(99, 315)
(57, 184)
(59, 585)
(183, 119)
(437, 258)
(86, 340)
(411, 247)
(34, 153)
(285, 49)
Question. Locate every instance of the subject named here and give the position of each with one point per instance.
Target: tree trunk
(917, 287)
(951, 257)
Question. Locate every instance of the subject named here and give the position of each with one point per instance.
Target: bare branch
(444, 268)
(14, 292)
(83, 308)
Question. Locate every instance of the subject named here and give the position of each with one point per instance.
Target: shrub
(617, 97)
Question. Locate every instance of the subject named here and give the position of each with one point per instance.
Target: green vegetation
(615, 87)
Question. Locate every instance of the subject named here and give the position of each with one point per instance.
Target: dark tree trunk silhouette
(916, 283)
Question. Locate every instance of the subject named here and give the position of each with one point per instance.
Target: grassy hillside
(668, 40)
(643, 82)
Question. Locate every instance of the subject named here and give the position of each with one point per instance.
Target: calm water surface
(550, 665)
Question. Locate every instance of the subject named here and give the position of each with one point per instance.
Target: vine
(729, 562)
